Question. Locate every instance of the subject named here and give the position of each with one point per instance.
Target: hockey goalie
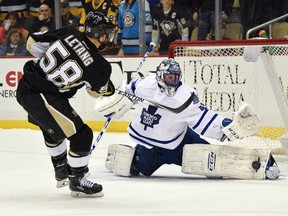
(163, 137)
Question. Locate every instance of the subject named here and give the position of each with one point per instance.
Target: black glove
(110, 89)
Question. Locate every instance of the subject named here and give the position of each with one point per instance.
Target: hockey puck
(256, 165)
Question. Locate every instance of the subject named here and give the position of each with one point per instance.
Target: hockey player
(68, 60)
(161, 135)
(108, 8)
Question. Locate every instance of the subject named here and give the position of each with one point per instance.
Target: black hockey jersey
(169, 26)
(107, 7)
(70, 62)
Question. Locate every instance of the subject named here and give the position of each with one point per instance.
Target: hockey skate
(80, 186)
(61, 169)
(272, 171)
(61, 175)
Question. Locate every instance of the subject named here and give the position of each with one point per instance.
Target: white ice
(27, 187)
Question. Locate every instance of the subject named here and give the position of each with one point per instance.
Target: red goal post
(222, 77)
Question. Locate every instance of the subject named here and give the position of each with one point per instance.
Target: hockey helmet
(168, 76)
(97, 24)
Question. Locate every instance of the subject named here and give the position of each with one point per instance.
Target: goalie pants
(147, 161)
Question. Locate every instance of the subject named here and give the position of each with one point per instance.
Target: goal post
(223, 79)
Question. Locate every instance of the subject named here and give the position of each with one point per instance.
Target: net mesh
(224, 79)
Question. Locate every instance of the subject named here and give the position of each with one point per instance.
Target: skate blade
(62, 183)
(80, 194)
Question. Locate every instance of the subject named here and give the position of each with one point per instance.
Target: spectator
(155, 5)
(108, 8)
(256, 12)
(188, 11)
(67, 17)
(43, 28)
(128, 23)
(280, 7)
(15, 45)
(75, 7)
(12, 21)
(116, 2)
(206, 13)
(168, 25)
(33, 9)
(235, 16)
(45, 18)
(211, 35)
(18, 6)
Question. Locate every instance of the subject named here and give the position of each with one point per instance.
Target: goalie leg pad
(119, 159)
(225, 161)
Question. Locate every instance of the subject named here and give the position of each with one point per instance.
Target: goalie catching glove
(245, 123)
(117, 104)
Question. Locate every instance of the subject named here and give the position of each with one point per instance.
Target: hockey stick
(103, 130)
(149, 50)
(110, 116)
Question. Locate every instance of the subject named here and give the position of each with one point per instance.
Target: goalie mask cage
(218, 71)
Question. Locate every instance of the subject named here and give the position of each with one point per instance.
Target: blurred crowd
(165, 20)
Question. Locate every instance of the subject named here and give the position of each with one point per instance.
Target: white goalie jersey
(158, 127)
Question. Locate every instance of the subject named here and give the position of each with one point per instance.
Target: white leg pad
(119, 159)
(224, 161)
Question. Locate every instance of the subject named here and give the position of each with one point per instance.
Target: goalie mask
(97, 25)
(168, 76)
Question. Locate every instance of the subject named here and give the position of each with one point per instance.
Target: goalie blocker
(206, 160)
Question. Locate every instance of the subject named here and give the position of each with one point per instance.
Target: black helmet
(97, 24)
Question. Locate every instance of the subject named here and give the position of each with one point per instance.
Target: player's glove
(110, 89)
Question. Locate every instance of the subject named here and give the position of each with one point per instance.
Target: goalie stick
(173, 110)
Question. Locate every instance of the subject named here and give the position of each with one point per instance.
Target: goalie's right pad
(225, 161)
(245, 123)
(119, 159)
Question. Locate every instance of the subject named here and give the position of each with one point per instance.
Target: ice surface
(27, 187)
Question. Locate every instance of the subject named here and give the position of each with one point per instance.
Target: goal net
(223, 79)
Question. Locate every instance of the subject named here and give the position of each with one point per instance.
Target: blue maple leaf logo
(149, 118)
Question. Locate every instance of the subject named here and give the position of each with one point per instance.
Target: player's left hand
(110, 89)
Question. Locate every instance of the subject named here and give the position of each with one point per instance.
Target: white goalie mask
(168, 76)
